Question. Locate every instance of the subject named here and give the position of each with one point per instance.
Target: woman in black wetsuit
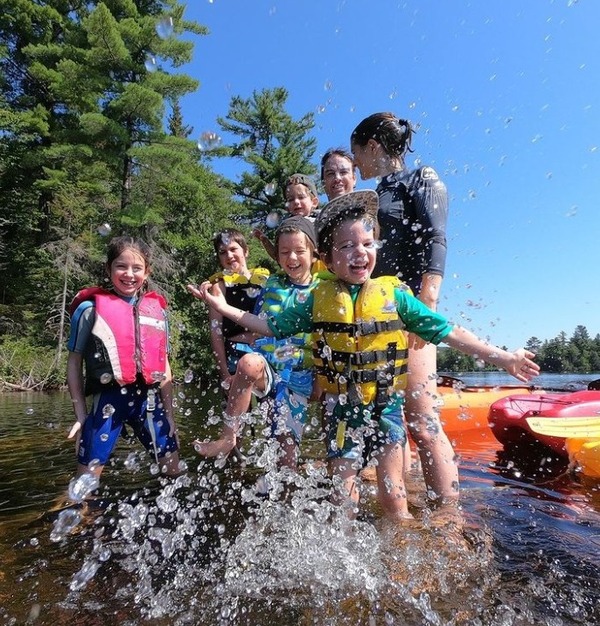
(413, 208)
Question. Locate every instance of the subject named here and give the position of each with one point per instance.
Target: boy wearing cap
(301, 200)
(278, 372)
(360, 346)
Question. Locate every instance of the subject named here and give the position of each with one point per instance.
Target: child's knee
(251, 366)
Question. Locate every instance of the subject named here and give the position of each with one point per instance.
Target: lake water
(524, 548)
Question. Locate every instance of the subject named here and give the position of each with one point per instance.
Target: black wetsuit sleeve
(430, 198)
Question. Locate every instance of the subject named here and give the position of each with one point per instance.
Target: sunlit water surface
(524, 548)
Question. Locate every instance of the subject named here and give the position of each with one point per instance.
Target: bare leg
(435, 451)
(250, 374)
(390, 481)
(346, 493)
(95, 470)
(169, 464)
(288, 454)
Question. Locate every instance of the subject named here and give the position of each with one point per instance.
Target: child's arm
(212, 296)
(217, 341)
(76, 390)
(517, 363)
(268, 245)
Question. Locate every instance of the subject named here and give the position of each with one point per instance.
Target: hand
(208, 293)
(258, 234)
(75, 432)
(522, 367)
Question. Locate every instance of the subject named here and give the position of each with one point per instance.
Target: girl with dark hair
(120, 335)
(413, 209)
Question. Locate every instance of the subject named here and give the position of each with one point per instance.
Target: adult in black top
(413, 207)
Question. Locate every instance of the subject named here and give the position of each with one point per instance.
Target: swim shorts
(111, 409)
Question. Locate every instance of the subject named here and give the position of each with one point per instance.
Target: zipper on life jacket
(138, 347)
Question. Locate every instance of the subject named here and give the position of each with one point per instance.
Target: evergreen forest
(93, 144)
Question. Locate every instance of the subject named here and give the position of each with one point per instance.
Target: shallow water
(524, 548)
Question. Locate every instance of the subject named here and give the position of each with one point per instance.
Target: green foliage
(24, 364)
(271, 143)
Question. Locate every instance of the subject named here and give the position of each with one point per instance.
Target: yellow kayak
(585, 453)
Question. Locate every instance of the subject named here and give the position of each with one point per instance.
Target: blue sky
(506, 95)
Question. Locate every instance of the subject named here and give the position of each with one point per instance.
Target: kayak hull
(508, 416)
(585, 454)
(465, 408)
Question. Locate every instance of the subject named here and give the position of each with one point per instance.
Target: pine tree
(272, 144)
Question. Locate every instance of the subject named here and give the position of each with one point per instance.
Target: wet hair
(226, 236)
(118, 245)
(346, 154)
(394, 134)
(352, 214)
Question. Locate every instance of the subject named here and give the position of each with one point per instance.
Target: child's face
(338, 176)
(354, 251)
(128, 273)
(299, 200)
(295, 256)
(232, 257)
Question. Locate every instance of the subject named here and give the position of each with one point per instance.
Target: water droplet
(164, 28)
(208, 140)
(150, 63)
(104, 437)
(64, 524)
(107, 411)
(158, 376)
(104, 230)
(188, 377)
(270, 189)
(272, 220)
(84, 575)
(29, 410)
(166, 503)
(106, 378)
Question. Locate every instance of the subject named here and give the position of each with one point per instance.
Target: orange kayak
(466, 407)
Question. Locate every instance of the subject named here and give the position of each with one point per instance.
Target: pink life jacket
(134, 338)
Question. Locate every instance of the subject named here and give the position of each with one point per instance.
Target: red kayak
(507, 416)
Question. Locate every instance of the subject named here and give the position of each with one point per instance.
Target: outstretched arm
(268, 245)
(216, 300)
(517, 363)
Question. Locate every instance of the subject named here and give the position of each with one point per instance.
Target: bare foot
(220, 447)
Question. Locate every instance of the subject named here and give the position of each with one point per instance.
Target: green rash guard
(418, 319)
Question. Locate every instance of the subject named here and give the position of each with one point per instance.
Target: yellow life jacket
(360, 349)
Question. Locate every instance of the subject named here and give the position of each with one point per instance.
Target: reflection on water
(208, 548)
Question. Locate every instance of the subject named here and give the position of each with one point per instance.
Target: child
(301, 200)
(241, 287)
(360, 343)
(121, 334)
(277, 372)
